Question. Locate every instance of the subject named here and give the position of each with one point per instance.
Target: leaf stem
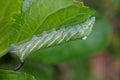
(19, 66)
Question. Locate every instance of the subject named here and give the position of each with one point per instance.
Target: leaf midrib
(52, 14)
(44, 20)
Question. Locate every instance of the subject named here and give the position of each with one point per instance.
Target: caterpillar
(54, 37)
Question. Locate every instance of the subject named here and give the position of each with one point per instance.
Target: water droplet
(84, 38)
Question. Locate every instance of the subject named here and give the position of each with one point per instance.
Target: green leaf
(40, 71)
(35, 68)
(39, 16)
(36, 16)
(97, 41)
(8, 8)
(77, 70)
(11, 75)
(44, 15)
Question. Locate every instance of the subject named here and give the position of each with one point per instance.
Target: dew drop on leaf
(84, 38)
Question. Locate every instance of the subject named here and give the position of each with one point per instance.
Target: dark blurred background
(106, 65)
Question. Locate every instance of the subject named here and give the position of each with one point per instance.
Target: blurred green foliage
(11, 75)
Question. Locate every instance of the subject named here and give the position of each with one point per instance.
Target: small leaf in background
(40, 71)
(11, 75)
(74, 70)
